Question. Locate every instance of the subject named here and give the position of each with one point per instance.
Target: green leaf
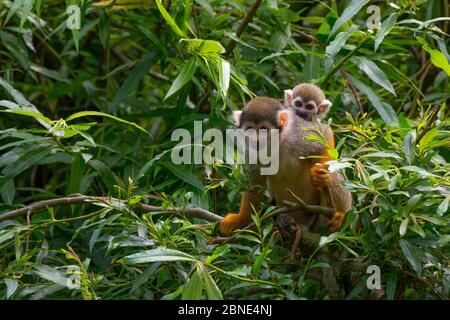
(211, 288)
(375, 74)
(16, 95)
(150, 35)
(102, 114)
(33, 114)
(150, 164)
(312, 67)
(184, 174)
(51, 274)
(139, 71)
(224, 76)
(391, 284)
(428, 139)
(49, 73)
(385, 110)
(183, 78)
(11, 287)
(6, 235)
(412, 202)
(219, 251)
(76, 173)
(437, 57)
(170, 21)
(381, 154)
(419, 171)
(403, 227)
(7, 191)
(13, 9)
(259, 261)
(443, 240)
(348, 13)
(336, 45)
(22, 101)
(413, 255)
(443, 207)
(145, 276)
(385, 28)
(205, 47)
(105, 173)
(25, 161)
(320, 265)
(155, 255)
(194, 287)
(205, 5)
(408, 147)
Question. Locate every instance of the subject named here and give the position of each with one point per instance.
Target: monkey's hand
(336, 221)
(231, 222)
(320, 178)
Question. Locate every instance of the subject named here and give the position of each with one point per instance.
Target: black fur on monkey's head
(258, 111)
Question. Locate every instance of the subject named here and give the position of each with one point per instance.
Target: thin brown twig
(420, 86)
(353, 89)
(242, 26)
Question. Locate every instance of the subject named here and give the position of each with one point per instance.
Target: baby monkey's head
(308, 101)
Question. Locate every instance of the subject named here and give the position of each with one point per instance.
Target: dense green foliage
(91, 111)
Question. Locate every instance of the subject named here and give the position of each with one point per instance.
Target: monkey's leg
(233, 221)
(342, 200)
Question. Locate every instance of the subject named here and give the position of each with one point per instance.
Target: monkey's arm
(250, 199)
(334, 194)
(320, 178)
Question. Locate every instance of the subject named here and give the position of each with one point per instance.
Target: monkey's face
(258, 133)
(304, 109)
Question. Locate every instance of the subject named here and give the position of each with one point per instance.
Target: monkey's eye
(309, 107)
(298, 103)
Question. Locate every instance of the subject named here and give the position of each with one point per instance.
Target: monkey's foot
(320, 177)
(336, 221)
(231, 222)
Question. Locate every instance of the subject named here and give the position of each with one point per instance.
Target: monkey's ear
(288, 97)
(283, 118)
(325, 106)
(237, 117)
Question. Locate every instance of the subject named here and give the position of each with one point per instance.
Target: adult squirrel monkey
(294, 175)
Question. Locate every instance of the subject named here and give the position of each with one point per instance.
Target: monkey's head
(308, 101)
(261, 113)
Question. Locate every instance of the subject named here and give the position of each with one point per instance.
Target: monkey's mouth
(302, 114)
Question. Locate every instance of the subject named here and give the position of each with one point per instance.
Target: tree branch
(69, 200)
(242, 26)
(193, 212)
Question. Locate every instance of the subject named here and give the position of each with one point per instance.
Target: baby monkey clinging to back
(308, 101)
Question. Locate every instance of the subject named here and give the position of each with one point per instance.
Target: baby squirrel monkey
(294, 174)
(308, 101)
